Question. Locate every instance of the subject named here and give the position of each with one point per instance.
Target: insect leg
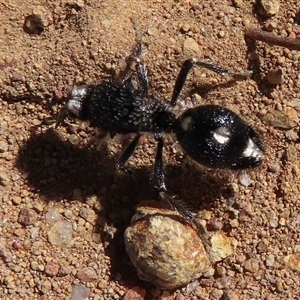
(189, 64)
(177, 205)
(62, 114)
(127, 153)
(142, 73)
(159, 176)
(159, 182)
(134, 62)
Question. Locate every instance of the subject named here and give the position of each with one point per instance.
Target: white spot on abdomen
(252, 150)
(222, 135)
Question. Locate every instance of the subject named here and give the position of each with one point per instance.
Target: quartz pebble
(165, 249)
(192, 286)
(61, 234)
(221, 246)
(244, 179)
(269, 7)
(80, 292)
(53, 215)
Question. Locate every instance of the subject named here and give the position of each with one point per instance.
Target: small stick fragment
(268, 37)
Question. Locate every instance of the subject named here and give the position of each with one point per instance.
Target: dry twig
(268, 37)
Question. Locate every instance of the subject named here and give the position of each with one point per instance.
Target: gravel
(64, 209)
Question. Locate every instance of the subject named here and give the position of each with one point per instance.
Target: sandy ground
(49, 176)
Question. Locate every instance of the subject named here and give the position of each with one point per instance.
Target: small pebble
(286, 119)
(221, 246)
(291, 135)
(270, 261)
(234, 223)
(20, 232)
(251, 265)
(238, 3)
(274, 223)
(295, 103)
(3, 146)
(223, 282)
(17, 244)
(221, 270)
(269, 7)
(4, 179)
(27, 216)
(135, 293)
(88, 214)
(86, 274)
(73, 139)
(231, 295)
(221, 34)
(191, 48)
(244, 179)
(151, 30)
(292, 261)
(64, 271)
(205, 214)
(53, 215)
(68, 213)
(192, 286)
(282, 222)
(270, 25)
(274, 168)
(44, 15)
(80, 3)
(38, 207)
(44, 286)
(61, 234)
(16, 200)
(51, 269)
(3, 127)
(34, 233)
(291, 114)
(80, 292)
(275, 76)
(185, 27)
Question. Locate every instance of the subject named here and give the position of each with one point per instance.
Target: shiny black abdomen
(198, 135)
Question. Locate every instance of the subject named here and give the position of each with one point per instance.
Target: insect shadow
(54, 168)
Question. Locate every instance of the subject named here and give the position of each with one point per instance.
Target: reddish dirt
(45, 48)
